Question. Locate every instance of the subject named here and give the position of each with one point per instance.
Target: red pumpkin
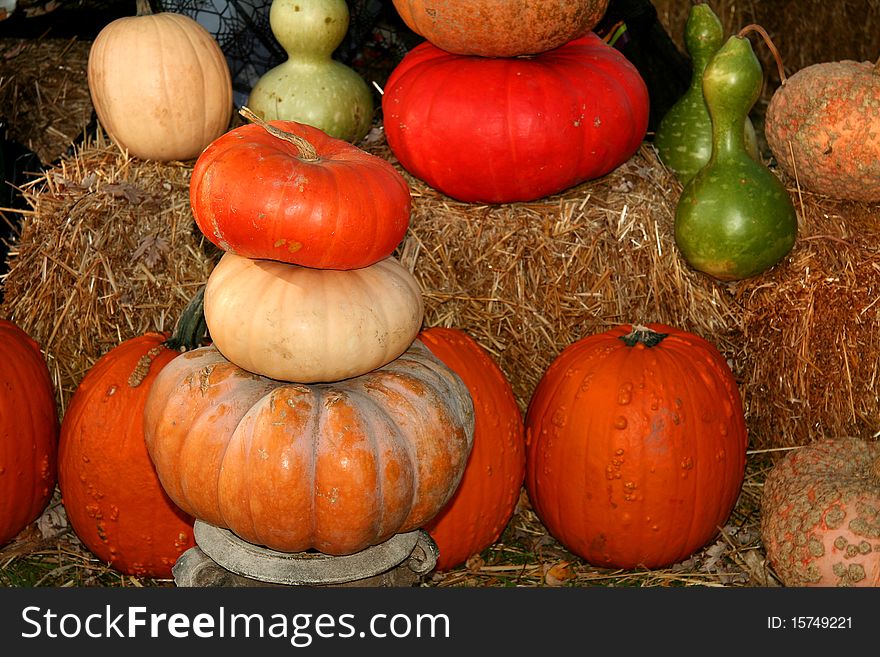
(500, 29)
(335, 467)
(294, 194)
(109, 487)
(636, 446)
(486, 497)
(28, 431)
(499, 130)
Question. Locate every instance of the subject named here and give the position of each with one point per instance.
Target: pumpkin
(497, 130)
(160, 85)
(823, 127)
(820, 514)
(307, 325)
(335, 467)
(28, 431)
(288, 192)
(108, 484)
(487, 495)
(500, 29)
(310, 86)
(636, 445)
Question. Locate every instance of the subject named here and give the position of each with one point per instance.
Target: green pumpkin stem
(191, 326)
(307, 152)
(644, 335)
(760, 30)
(143, 8)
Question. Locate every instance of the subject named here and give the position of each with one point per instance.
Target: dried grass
(44, 93)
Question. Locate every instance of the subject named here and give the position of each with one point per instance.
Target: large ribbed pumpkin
(500, 29)
(497, 130)
(109, 487)
(486, 498)
(334, 467)
(287, 191)
(636, 446)
(307, 325)
(823, 127)
(160, 85)
(28, 431)
(820, 514)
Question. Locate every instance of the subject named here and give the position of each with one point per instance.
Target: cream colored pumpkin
(160, 85)
(306, 325)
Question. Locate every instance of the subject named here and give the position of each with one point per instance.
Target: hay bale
(811, 331)
(528, 279)
(44, 94)
(108, 251)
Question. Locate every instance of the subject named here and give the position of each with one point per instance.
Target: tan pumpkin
(160, 85)
(335, 467)
(820, 514)
(500, 29)
(296, 323)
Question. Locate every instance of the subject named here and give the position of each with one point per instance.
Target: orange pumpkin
(28, 431)
(486, 498)
(109, 487)
(500, 29)
(820, 514)
(335, 467)
(636, 446)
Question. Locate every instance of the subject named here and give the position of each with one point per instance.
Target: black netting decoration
(241, 28)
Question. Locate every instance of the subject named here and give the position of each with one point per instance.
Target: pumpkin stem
(306, 150)
(644, 335)
(760, 30)
(191, 326)
(143, 8)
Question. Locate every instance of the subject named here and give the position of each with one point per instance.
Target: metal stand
(221, 558)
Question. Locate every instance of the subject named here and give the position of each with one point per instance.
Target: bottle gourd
(734, 219)
(684, 136)
(310, 86)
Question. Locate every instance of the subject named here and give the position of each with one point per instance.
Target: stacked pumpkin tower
(315, 420)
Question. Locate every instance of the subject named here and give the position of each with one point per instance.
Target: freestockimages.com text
(300, 629)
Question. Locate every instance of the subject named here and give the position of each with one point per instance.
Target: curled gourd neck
(644, 336)
(191, 326)
(306, 151)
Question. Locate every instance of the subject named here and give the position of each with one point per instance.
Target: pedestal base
(220, 558)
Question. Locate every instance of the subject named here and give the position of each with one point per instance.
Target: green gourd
(310, 86)
(684, 137)
(734, 219)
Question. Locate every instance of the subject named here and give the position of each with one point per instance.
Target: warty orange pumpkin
(636, 446)
(109, 487)
(489, 28)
